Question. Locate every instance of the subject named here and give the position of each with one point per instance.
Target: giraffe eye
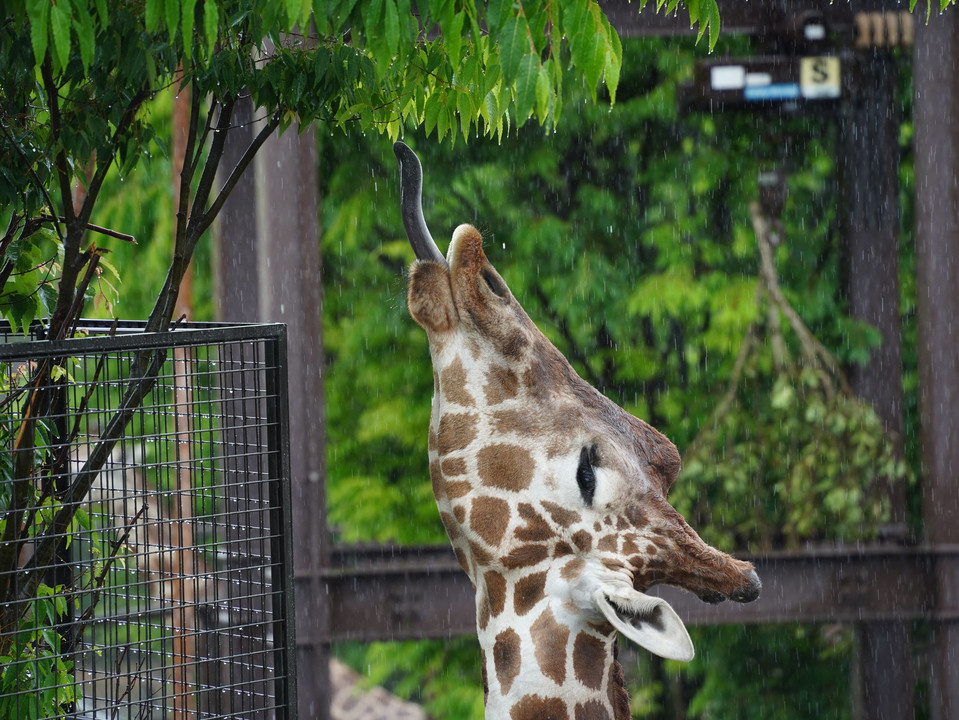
(585, 477)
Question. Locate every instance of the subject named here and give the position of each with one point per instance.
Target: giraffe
(553, 497)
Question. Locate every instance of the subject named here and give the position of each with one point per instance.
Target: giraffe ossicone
(553, 497)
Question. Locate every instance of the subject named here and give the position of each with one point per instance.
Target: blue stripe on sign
(776, 91)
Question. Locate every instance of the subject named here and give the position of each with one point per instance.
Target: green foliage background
(626, 236)
(623, 230)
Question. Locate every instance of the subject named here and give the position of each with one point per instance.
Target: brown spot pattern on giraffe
(509, 467)
(608, 543)
(573, 569)
(483, 613)
(453, 466)
(452, 529)
(591, 710)
(489, 517)
(561, 516)
(526, 556)
(589, 660)
(517, 421)
(457, 431)
(436, 480)
(629, 546)
(614, 564)
(583, 540)
(528, 591)
(536, 528)
(616, 690)
(501, 385)
(458, 489)
(506, 658)
(549, 646)
(479, 554)
(495, 591)
(453, 382)
(462, 560)
(536, 707)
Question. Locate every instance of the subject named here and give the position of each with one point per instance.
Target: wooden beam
(748, 18)
(392, 592)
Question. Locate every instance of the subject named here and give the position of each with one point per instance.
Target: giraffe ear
(648, 621)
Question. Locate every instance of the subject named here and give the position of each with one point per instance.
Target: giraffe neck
(547, 661)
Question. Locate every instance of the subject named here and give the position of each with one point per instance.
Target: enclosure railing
(169, 595)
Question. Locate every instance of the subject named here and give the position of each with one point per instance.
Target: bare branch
(238, 171)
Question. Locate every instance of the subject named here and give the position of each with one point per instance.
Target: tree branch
(241, 166)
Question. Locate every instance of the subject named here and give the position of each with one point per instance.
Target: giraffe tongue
(648, 621)
(411, 205)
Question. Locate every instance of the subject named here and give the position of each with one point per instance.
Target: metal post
(936, 113)
(869, 133)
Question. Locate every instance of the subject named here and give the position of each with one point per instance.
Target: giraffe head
(553, 496)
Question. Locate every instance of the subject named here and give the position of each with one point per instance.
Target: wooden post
(268, 263)
(290, 291)
(936, 113)
(869, 134)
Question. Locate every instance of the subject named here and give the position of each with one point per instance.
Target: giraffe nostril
(751, 591)
(712, 597)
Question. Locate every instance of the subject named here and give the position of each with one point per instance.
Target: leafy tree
(77, 79)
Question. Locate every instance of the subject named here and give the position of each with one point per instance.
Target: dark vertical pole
(869, 134)
(288, 253)
(936, 87)
(235, 261)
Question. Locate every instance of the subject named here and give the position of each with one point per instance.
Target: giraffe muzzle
(750, 592)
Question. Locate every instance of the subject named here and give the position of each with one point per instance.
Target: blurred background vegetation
(626, 235)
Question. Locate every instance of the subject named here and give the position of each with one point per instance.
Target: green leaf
(60, 25)
(189, 13)
(211, 23)
(614, 61)
(38, 12)
(171, 14)
(464, 107)
(526, 80)
(714, 22)
(453, 37)
(86, 37)
(543, 92)
(102, 12)
(431, 112)
(514, 46)
(391, 26)
(151, 13)
(292, 10)
(595, 60)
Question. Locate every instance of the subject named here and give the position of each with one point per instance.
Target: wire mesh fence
(161, 585)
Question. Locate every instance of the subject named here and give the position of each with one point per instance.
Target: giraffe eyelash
(585, 477)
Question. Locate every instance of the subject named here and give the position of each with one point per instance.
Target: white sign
(727, 77)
